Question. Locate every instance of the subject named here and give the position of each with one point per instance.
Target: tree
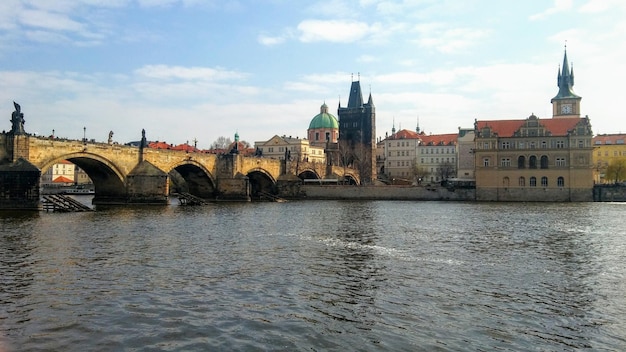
(419, 173)
(344, 151)
(446, 170)
(221, 143)
(616, 171)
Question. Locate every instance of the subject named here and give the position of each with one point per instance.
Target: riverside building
(537, 159)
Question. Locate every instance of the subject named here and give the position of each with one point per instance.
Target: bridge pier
(147, 184)
(19, 186)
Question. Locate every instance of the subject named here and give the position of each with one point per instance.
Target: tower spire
(565, 79)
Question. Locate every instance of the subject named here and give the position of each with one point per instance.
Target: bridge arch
(109, 182)
(192, 177)
(261, 182)
(309, 174)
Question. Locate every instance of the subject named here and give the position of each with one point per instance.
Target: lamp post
(84, 135)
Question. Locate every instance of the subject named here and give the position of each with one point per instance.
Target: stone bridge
(124, 174)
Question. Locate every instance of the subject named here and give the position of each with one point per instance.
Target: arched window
(544, 181)
(505, 182)
(532, 162)
(544, 162)
(533, 181)
(521, 162)
(522, 182)
(560, 182)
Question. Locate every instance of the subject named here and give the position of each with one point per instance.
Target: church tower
(357, 128)
(565, 103)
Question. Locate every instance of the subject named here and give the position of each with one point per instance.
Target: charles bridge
(124, 174)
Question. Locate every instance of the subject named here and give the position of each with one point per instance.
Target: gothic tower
(565, 103)
(357, 129)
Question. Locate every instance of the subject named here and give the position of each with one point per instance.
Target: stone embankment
(386, 193)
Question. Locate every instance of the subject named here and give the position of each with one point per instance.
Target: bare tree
(446, 170)
(362, 160)
(344, 151)
(221, 143)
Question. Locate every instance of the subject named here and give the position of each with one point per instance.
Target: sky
(196, 70)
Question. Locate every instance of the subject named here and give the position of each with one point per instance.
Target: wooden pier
(61, 203)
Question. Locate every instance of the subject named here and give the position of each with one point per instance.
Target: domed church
(323, 127)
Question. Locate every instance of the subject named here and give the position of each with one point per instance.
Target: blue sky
(193, 69)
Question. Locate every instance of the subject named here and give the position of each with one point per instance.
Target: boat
(78, 190)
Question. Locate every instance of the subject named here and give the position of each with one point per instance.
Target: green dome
(324, 120)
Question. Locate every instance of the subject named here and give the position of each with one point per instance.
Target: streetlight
(85, 135)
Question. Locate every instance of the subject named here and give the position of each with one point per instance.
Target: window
(560, 144)
(581, 143)
(532, 162)
(560, 162)
(505, 162)
(560, 182)
(544, 144)
(505, 182)
(544, 182)
(521, 162)
(522, 182)
(486, 162)
(544, 162)
(317, 136)
(327, 136)
(533, 181)
(506, 145)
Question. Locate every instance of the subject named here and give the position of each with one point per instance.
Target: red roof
(159, 145)
(507, 128)
(439, 139)
(609, 139)
(405, 134)
(186, 147)
(63, 179)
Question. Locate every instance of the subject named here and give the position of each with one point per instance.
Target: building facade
(357, 133)
(288, 147)
(537, 159)
(609, 158)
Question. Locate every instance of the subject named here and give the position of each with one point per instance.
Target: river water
(316, 276)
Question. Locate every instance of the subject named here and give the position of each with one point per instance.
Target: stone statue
(17, 120)
(110, 137)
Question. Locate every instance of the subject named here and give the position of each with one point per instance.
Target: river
(316, 276)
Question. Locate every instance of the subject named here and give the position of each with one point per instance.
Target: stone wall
(386, 193)
(538, 194)
(609, 193)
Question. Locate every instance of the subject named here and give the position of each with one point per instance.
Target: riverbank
(338, 192)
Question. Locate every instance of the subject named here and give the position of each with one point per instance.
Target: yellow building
(293, 148)
(608, 149)
(537, 159)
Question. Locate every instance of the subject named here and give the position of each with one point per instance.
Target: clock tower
(565, 103)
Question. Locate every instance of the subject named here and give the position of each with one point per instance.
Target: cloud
(559, 6)
(164, 72)
(269, 41)
(441, 37)
(332, 31)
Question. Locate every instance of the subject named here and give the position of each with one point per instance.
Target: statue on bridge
(17, 120)
(110, 141)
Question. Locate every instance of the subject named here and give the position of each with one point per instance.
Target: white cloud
(441, 37)
(559, 6)
(332, 31)
(164, 72)
(269, 40)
